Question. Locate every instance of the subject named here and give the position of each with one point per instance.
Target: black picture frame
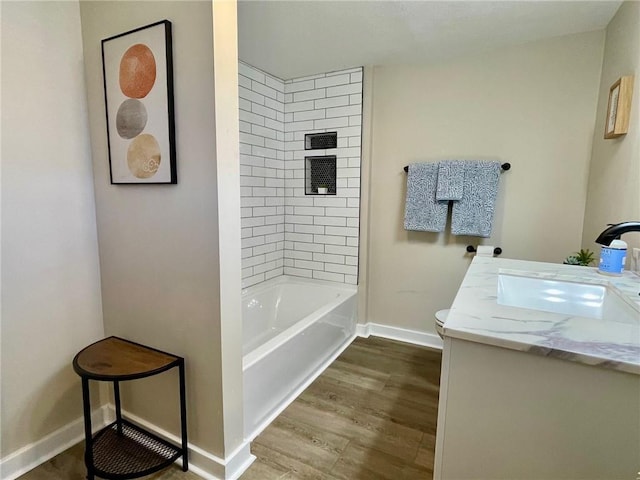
(137, 69)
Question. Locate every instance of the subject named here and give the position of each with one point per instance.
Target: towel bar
(504, 166)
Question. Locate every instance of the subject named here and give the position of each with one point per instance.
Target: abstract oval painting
(138, 94)
(137, 71)
(143, 156)
(131, 118)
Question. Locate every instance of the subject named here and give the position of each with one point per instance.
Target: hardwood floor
(370, 416)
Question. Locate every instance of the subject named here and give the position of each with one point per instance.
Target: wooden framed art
(138, 94)
(619, 109)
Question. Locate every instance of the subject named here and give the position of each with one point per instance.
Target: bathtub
(293, 328)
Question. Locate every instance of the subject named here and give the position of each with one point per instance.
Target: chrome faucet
(614, 231)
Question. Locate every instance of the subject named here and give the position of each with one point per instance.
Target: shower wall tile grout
(284, 230)
(261, 174)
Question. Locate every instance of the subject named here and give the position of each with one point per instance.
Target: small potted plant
(583, 257)
(323, 189)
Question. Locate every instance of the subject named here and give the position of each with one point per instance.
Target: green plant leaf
(584, 257)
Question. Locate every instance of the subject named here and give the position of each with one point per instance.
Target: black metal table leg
(88, 450)
(116, 394)
(183, 417)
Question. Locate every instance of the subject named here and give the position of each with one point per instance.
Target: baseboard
(201, 462)
(30, 456)
(424, 339)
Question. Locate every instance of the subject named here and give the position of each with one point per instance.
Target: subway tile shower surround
(262, 172)
(285, 231)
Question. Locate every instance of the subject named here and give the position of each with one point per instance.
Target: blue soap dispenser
(613, 257)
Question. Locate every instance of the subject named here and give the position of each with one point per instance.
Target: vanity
(540, 374)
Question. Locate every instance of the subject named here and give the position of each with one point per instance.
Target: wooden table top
(116, 358)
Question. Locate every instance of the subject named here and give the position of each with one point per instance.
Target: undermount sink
(589, 300)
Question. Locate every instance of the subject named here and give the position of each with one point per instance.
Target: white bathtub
(292, 329)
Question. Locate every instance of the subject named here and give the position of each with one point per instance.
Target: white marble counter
(476, 316)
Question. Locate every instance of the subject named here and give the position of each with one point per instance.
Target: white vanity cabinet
(526, 394)
(506, 414)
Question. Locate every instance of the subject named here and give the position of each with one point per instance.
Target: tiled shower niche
(285, 230)
(316, 141)
(320, 172)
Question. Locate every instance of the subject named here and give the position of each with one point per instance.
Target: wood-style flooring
(370, 416)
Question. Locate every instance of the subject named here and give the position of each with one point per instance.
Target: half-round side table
(122, 450)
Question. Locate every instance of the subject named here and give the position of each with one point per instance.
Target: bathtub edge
(295, 393)
(251, 358)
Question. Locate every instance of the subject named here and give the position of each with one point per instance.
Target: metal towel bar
(504, 166)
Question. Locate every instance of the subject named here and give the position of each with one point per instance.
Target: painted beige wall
(50, 273)
(160, 245)
(614, 178)
(533, 106)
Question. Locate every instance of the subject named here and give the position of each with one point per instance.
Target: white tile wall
(284, 230)
(319, 243)
(261, 174)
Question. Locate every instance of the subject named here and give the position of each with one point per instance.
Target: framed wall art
(138, 92)
(619, 109)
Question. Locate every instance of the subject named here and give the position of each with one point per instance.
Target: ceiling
(290, 39)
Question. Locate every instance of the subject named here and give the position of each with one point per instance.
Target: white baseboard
(415, 337)
(201, 462)
(30, 456)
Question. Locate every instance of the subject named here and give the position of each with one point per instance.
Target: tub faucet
(614, 231)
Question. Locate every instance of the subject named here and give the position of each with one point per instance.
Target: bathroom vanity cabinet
(506, 414)
(538, 395)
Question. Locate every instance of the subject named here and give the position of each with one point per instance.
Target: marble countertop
(476, 316)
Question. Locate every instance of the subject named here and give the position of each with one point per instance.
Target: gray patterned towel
(422, 212)
(450, 180)
(473, 214)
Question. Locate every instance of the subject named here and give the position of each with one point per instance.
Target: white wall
(262, 174)
(50, 276)
(167, 268)
(531, 105)
(614, 177)
(316, 235)
(237, 455)
(321, 232)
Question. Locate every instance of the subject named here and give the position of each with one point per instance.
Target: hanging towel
(450, 180)
(473, 214)
(422, 212)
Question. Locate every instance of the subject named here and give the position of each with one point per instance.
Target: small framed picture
(619, 109)
(138, 93)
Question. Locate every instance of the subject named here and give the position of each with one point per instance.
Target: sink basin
(578, 299)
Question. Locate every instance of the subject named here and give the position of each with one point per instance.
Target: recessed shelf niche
(320, 172)
(320, 141)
